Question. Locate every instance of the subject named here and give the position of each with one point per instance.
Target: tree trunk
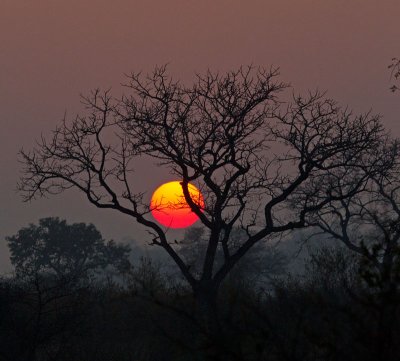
(206, 309)
(214, 344)
(388, 305)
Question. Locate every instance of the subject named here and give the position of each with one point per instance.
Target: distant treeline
(336, 311)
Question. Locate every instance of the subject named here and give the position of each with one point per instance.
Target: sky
(51, 51)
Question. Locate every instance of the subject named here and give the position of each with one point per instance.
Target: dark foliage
(67, 251)
(329, 314)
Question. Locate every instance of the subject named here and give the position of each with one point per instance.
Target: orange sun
(169, 207)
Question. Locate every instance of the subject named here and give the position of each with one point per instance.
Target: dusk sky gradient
(51, 51)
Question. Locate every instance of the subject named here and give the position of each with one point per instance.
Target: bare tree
(369, 224)
(262, 165)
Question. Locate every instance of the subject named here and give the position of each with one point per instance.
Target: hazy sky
(53, 50)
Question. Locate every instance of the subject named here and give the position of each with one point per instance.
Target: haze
(51, 51)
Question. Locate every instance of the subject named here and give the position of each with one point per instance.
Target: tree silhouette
(394, 67)
(68, 251)
(262, 165)
(369, 224)
(262, 263)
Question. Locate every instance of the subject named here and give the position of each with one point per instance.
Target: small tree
(252, 156)
(68, 251)
(395, 73)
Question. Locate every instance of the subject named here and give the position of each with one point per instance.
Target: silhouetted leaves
(68, 251)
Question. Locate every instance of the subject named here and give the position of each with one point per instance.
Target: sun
(169, 207)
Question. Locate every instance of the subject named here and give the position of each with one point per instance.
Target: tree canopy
(65, 250)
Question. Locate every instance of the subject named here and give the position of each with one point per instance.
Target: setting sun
(169, 207)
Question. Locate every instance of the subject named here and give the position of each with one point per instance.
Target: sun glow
(169, 207)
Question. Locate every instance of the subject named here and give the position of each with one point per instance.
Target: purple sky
(51, 51)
